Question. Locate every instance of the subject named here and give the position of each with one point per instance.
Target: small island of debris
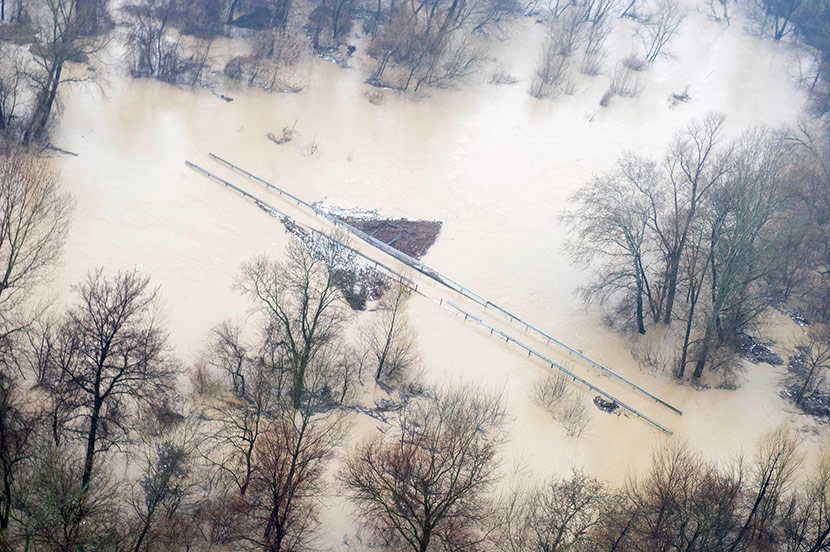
(360, 281)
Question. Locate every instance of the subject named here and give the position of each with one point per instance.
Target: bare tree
(770, 477)
(165, 499)
(746, 217)
(810, 366)
(661, 27)
(558, 515)
(299, 298)
(12, 90)
(34, 219)
(291, 458)
(115, 355)
(775, 16)
(806, 522)
(17, 436)
(609, 220)
(425, 487)
(242, 420)
(682, 503)
(53, 511)
(390, 339)
(695, 164)
(152, 52)
(59, 36)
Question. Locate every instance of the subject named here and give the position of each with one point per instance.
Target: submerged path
(489, 307)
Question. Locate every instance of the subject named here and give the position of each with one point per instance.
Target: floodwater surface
(495, 165)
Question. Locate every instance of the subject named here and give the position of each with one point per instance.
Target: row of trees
(709, 237)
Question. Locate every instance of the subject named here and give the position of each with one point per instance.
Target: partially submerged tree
(389, 338)
(557, 515)
(34, 219)
(302, 306)
(810, 366)
(115, 357)
(661, 27)
(425, 486)
(60, 35)
(609, 220)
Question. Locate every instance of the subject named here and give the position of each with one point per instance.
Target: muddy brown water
(493, 164)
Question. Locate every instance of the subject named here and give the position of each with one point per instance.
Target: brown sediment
(413, 237)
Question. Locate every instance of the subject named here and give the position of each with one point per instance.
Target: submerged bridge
(445, 282)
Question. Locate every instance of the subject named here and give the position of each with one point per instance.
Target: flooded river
(492, 163)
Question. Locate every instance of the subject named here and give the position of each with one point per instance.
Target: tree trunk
(92, 437)
(44, 107)
(671, 291)
(232, 11)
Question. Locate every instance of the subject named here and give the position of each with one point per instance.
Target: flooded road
(492, 163)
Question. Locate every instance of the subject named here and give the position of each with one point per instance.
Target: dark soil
(413, 237)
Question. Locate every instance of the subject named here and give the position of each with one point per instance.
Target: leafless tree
(775, 16)
(682, 503)
(34, 219)
(59, 35)
(769, 480)
(242, 420)
(273, 51)
(390, 339)
(53, 511)
(810, 366)
(746, 218)
(558, 515)
(609, 220)
(165, 499)
(17, 436)
(291, 458)
(425, 486)
(723, 5)
(661, 27)
(695, 164)
(115, 357)
(302, 306)
(13, 69)
(806, 522)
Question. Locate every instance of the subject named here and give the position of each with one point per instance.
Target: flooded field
(493, 164)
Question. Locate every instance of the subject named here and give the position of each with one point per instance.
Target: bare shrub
(287, 133)
(375, 97)
(606, 97)
(501, 76)
(550, 71)
(634, 62)
(625, 83)
(554, 393)
(204, 383)
(592, 64)
(550, 390)
(570, 87)
(574, 415)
